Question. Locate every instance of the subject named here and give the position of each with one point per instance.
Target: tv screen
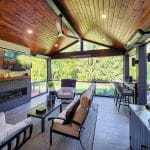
(16, 61)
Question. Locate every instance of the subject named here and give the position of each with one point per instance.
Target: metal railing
(38, 88)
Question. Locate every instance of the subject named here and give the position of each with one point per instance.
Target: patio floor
(112, 128)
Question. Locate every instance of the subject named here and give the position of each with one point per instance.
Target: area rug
(40, 141)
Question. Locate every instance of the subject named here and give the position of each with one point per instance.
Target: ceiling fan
(60, 32)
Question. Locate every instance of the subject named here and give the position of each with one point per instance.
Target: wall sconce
(134, 61)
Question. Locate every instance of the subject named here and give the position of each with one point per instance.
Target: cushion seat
(67, 129)
(7, 131)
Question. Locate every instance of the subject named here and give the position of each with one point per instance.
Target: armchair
(14, 136)
(67, 90)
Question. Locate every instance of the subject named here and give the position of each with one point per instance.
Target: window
(88, 69)
(38, 76)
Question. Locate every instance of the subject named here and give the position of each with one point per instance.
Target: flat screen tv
(16, 61)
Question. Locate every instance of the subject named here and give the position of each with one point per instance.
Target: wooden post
(141, 75)
(49, 69)
(81, 45)
(126, 67)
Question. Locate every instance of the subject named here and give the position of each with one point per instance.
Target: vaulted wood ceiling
(123, 17)
(18, 16)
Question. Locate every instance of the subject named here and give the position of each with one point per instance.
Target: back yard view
(102, 70)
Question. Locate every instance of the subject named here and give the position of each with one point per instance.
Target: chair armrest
(52, 118)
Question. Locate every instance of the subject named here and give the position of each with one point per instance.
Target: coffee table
(42, 116)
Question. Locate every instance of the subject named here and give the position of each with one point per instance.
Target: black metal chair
(123, 96)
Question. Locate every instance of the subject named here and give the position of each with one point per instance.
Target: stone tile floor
(112, 127)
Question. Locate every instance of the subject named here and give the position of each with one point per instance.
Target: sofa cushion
(67, 89)
(20, 125)
(5, 130)
(70, 113)
(8, 130)
(2, 118)
(84, 101)
(67, 129)
(79, 116)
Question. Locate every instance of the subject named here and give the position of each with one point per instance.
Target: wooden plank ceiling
(123, 17)
(18, 16)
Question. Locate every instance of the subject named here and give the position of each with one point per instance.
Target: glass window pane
(92, 46)
(38, 74)
(75, 47)
(88, 69)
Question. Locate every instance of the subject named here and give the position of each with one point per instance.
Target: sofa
(70, 124)
(14, 136)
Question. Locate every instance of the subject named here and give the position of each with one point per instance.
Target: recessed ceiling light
(29, 31)
(104, 16)
(56, 45)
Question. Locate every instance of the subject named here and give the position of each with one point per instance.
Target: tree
(87, 69)
(39, 69)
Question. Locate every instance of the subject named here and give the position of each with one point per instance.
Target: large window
(38, 76)
(89, 69)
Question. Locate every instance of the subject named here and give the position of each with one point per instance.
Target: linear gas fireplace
(12, 94)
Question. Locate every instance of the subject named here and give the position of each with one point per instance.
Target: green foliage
(88, 69)
(39, 69)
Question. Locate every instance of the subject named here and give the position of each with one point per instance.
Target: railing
(38, 88)
(102, 88)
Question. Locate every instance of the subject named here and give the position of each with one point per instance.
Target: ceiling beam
(88, 54)
(58, 9)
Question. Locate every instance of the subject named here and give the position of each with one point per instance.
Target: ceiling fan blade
(58, 26)
(60, 31)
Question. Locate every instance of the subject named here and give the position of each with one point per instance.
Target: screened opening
(100, 70)
(38, 76)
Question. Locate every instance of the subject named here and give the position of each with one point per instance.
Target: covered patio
(103, 45)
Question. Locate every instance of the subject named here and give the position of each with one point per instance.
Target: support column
(49, 69)
(126, 67)
(81, 45)
(141, 75)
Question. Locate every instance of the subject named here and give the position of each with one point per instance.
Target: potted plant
(52, 92)
(50, 85)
